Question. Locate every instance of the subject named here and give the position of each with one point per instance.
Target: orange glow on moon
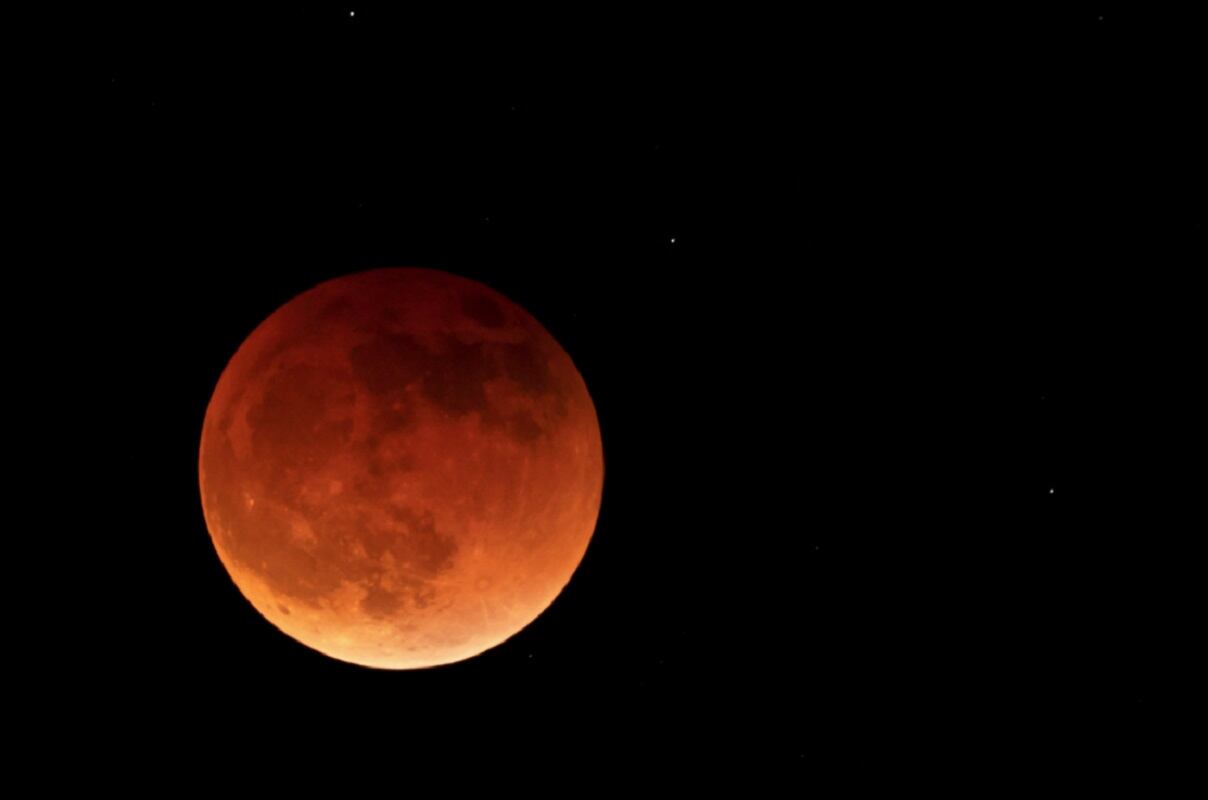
(401, 468)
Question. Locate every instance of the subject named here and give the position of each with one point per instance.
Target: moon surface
(401, 468)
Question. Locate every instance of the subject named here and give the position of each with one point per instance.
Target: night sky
(887, 320)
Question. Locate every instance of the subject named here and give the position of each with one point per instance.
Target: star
(1052, 490)
(352, 13)
(673, 240)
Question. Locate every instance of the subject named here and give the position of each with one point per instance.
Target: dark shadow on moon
(482, 309)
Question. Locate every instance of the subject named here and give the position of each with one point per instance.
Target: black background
(893, 428)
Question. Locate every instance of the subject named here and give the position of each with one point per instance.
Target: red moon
(401, 468)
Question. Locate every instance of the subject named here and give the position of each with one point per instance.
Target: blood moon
(401, 468)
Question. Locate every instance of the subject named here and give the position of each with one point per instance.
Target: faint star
(673, 240)
(1052, 490)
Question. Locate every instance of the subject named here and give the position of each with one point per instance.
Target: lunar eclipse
(400, 468)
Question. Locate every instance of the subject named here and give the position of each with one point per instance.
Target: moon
(401, 468)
